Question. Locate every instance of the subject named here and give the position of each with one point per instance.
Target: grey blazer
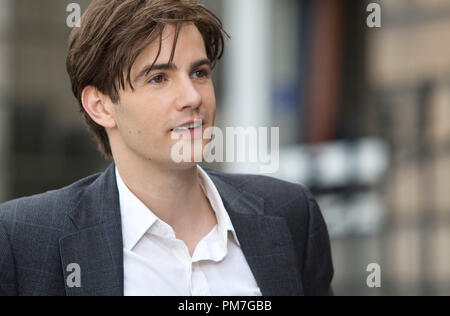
(279, 225)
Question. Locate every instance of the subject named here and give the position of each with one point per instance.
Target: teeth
(180, 129)
(196, 124)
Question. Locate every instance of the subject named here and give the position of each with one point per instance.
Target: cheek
(209, 98)
(132, 128)
(213, 110)
(141, 118)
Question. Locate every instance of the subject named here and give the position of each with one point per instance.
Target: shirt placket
(199, 283)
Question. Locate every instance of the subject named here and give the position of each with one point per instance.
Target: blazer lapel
(265, 240)
(97, 246)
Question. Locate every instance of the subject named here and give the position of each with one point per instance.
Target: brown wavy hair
(113, 33)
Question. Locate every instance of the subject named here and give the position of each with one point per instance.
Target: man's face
(166, 97)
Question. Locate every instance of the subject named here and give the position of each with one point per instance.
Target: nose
(188, 95)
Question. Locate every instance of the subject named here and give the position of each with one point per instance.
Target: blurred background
(364, 117)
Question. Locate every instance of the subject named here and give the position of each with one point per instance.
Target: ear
(98, 106)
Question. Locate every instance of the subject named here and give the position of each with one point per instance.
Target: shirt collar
(137, 218)
(224, 224)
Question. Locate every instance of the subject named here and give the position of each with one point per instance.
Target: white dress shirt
(157, 263)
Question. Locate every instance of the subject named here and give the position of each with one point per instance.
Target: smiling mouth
(188, 127)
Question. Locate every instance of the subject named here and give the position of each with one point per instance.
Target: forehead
(189, 46)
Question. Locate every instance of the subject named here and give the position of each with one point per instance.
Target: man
(141, 71)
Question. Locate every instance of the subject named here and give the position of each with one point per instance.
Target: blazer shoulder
(39, 209)
(275, 192)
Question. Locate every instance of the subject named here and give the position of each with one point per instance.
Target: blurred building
(48, 146)
(5, 71)
(409, 75)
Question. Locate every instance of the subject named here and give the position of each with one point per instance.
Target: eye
(158, 79)
(200, 74)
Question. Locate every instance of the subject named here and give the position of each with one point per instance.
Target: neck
(173, 195)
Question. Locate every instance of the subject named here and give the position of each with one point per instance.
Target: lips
(190, 125)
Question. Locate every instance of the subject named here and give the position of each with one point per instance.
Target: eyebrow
(168, 67)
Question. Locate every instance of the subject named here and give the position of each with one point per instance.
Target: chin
(183, 166)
